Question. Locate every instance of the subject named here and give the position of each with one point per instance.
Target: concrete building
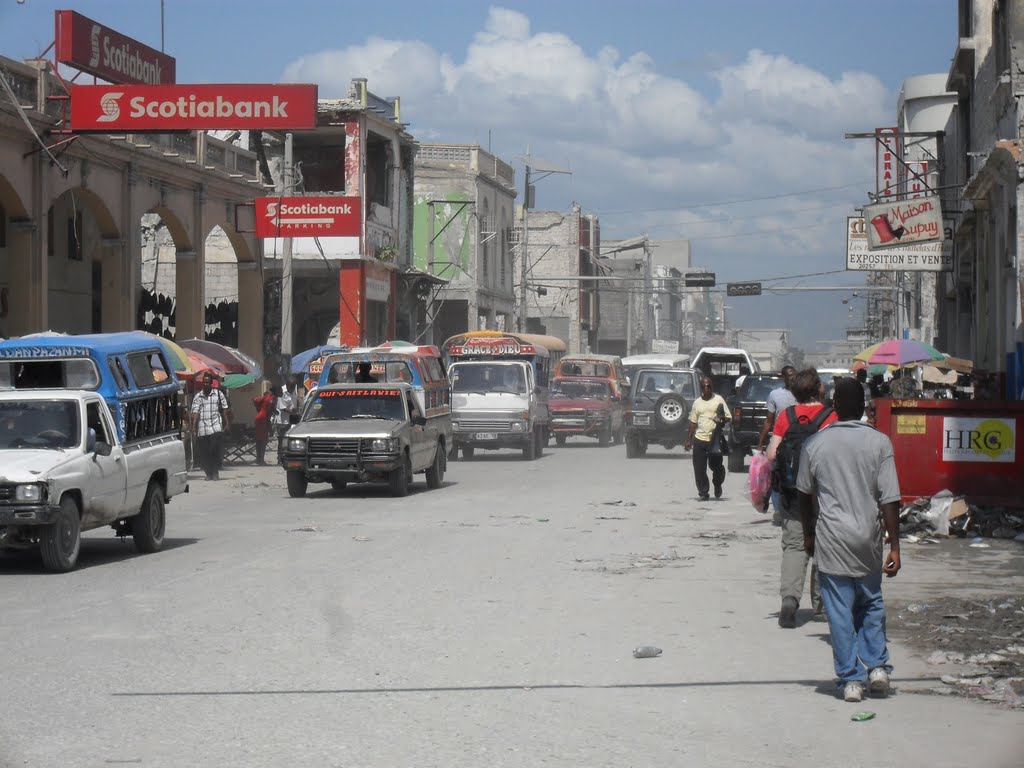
(464, 203)
(769, 347)
(982, 301)
(357, 287)
(562, 247)
(73, 227)
(627, 318)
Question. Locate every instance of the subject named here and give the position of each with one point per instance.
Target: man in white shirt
(211, 416)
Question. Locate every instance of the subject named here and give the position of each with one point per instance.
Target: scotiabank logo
(111, 108)
(137, 108)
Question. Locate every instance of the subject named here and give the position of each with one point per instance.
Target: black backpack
(787, 457)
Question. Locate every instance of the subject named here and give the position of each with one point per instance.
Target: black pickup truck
(749, 411)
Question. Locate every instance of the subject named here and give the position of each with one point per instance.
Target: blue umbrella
(301, 361)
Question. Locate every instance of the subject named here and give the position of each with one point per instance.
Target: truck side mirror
(419, 421)
(90, 440)
(104, 449)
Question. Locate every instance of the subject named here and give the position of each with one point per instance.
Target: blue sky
(658, 107)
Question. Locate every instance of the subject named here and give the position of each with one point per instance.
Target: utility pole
(286, 260)
(523, 243)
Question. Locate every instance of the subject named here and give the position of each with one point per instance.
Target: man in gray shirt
(850, 467)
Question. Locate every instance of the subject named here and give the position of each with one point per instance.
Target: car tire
(560, 440)
(530, 449)
(61, 542)
(467, 451)
(670, 410)
(633, 448)
(736, 456)
(435, 472)
(297, 483)
(542, 443)
(149, 525)
(400, 479)
(339, 485)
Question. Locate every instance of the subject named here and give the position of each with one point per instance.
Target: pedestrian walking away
(211, 416)
(707, 414)
(849, 468)
(265, 405)
(778, 400)
(792, 427)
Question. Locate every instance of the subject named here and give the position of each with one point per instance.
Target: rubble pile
(980, 646)
(946, 515)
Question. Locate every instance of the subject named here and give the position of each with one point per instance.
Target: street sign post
(699, 279)
(742, 289)
(317, 216)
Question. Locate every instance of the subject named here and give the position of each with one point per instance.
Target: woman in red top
(265, 405)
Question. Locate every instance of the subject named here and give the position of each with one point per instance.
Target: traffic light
(699, 279)
(742, 289)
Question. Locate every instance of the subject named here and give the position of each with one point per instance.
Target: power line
(779, 196)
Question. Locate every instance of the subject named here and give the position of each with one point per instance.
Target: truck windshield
(760, 387)
(488, 377)
(335, 405)
(39, 424)
(593, 390)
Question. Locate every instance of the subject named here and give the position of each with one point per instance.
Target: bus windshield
(483, 378)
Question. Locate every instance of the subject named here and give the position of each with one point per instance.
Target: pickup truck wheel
(736, 457)
(670, 410)
(530, 449)
(435, 472)
(149, 525)
(467, 451)
(339, 485)
(400, 478)
(297, 483)
(62, 541)
(560, 441)
(542, 442)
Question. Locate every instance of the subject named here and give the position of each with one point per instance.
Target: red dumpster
(973, 448)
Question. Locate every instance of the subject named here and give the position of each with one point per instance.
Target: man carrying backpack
(792, 427)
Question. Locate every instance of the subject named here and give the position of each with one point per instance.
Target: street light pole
(286, 260)
(523, 246)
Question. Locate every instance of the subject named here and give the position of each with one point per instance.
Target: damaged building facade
(464, 211)
(981, 303)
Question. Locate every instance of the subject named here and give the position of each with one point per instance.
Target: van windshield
(588, 368)
(39, 424)
(344, 404)
(483, 378)
(591, 390)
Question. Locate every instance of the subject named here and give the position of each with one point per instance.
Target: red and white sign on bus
(91, 47)
(141, 108)
(320, 216)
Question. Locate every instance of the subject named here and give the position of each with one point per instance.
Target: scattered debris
(543, 520)
(361, 538)
(646, 652)
(947, 515)
(307, 529)
(860, 717)
(618, 503)
(605, 517)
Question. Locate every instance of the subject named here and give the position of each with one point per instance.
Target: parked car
(749, 410)
(659, 403)
(587, 408)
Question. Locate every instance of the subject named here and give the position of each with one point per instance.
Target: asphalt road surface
(488, 623)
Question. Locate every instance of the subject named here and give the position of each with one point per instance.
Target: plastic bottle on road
(646, 652)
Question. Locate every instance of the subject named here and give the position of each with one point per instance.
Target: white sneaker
(878, 682)
(853, 692)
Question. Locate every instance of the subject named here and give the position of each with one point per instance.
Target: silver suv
(363, 433)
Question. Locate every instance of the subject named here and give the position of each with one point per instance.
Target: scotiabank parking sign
(140, 108)
(317, 216)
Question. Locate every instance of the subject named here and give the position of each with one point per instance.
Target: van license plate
(486, 436)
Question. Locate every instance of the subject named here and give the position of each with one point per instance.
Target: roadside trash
(618, 503)
(760, 479)
(543, 520)
(646, 652)
(927, 515)
(980, 545)
(307, 529)
(860, 717)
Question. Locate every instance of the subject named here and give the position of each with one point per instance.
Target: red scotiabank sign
(91, 47)
(163, 108)
(322, 216)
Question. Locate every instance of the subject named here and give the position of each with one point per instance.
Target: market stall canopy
(957, 364)
(932, 375)
(899, 353)
(301, 360)
(229, 359)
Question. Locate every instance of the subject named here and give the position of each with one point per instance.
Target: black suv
(659, 403)
(749, 410)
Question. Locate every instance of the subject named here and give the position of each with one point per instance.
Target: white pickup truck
(63, 470)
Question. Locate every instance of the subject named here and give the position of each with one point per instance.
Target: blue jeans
(856, 620)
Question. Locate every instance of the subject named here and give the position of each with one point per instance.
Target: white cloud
(641, 140)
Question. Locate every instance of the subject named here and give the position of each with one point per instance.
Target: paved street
(489, 623)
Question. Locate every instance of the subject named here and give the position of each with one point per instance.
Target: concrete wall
(554, 251)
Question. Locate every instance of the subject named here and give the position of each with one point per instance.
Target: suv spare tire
(671, 410)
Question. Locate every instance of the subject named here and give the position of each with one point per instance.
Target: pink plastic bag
(760, 480)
